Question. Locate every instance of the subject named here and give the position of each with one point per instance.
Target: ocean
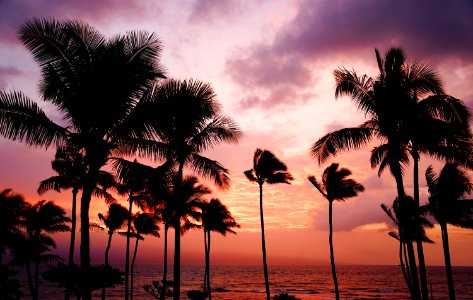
(305, 282)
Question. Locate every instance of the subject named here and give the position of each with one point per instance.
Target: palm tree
(69, 164)
(144, 224)
(96, 85)
(266, 168)
(40, 219)
(188, 122)
(115, 219)
(447, 206)
(335, 186)
(12, 211)
(405, 220)
(215, 217)
(402, 122)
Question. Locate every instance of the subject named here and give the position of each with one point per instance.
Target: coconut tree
(215, 217)
(144, 224)
(448, 207)
(96, 84)
(188, 122)
(69, 164)
(405, 221)
(114, 220)
(41, 219)
(399, 119)
(267, 168)
(335, 186)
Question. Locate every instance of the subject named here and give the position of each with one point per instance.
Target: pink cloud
(329, 29)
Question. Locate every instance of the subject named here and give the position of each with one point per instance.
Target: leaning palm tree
(266, 168)
(96, 84)
(144, 224)
(335, 186)
(114, 219)
(402, 123)
(447, 206)
(41, 219)
(215, 217)
(188, 122)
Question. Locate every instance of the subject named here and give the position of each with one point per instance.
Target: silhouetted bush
(285, 296)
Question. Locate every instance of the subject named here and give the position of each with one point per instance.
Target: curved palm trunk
(85, 238)
(420, 248)
(207, 263)
(448, 264)
(106, 260)
(263, 243)
(133, 268)
(332, 258)
(404, 266)
(73, 236)
(162, 296)
(413, 269)
(127, 254)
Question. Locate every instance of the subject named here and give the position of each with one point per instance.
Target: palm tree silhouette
(114, 220)
(435, 125)
(266, 168)
(95, 84)
(215, 217)
(33, 246)
(447, 206)
(188, 122)
(335, 186)
(144, 224)
(69, 163)
(12, 211)
(405, 219)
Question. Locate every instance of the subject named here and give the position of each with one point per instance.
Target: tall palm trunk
(127, 254)
(29, 276)
(133, 268)
(420, 248)
(177, 236)
(162, 296)
(205, 270)
(73, 236)
(448, 264)
(85, 239)
(36, 281)
(263, 243)
(414, 280)
(207, 264)
(332, 258)
(109, 243)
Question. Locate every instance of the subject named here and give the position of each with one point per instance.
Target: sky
(270, 63)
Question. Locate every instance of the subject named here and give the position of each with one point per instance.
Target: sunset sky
(271, 64)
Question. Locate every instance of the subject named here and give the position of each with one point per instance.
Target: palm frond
(210, 169)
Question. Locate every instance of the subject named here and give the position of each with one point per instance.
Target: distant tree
(447, 206)
(144, 224)
(34, 245)
(215, 217)
(12, 211)
(405, 220)
(114, 220)
(266, 168)
(335, 186)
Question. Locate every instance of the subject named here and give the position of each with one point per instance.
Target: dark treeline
(116, 103)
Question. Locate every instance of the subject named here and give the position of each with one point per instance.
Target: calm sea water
(306, 282)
